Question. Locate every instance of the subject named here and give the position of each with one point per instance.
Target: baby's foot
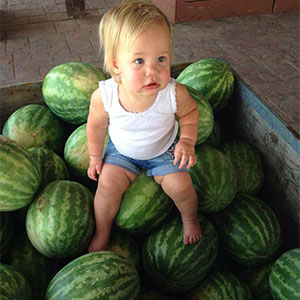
(191, 231)
(99, 242)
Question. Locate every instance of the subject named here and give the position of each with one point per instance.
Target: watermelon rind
(67, 89)
(249, 230)
(248, 165)
(60, 222)
(20, 174)
(96, 276)
(34, 125)
(284, 277)
(13, 285)
(213, 78)
(170, 265)
(214, 179)
(144, 206)
(221, 285)
(6, 232)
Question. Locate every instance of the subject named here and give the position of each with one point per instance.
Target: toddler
(142, 107)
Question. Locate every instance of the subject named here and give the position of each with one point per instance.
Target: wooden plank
(285, 5)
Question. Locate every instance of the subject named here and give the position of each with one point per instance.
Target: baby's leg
(178, 186)
(112, 183)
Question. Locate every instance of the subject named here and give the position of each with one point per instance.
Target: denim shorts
(158, 166)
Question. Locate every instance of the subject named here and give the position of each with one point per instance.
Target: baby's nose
(151, 69)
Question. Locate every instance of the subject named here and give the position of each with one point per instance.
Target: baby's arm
(96, 128)
(188, 118)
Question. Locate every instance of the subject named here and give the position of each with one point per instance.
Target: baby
(141, 107)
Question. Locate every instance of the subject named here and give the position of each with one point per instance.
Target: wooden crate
(191, 10)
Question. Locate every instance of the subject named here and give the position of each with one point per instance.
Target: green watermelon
(53, 166)
(257, 278)
(144, 206)
(206, 117)
(284, 277)
(67, 90)
(76, 151)
(212, 78)
(249, 230)
(59, 221)
(6, 232)
(36, 268)
(34, 125)
(214, 179)
(215, 138)
(13, 284)
(93, 276)
(20, 175)
(248, 165)
(221, 285)
(125, 245)
(172, 266)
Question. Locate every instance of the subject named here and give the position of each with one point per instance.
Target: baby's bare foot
(191, 231)
(99, 242)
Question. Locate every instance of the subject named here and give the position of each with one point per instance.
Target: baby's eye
(139, 61)
(161, 58)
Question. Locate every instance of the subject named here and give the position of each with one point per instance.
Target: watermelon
(36, 268)
(248, 165)
(212, 78)
(76, 153)
(284, 277)
(6, 232)
(125, 245)
(34, 125)
(13, 284)
(53, 166)
(144, 206)
(67, 89)
(221, 285)
(249, 230)
(257, 278)
(214, 179)
(59, 221)
(172, 266)
(97, 275)
(150, 293)
(206, 117)
(215, 138)
(20, 175)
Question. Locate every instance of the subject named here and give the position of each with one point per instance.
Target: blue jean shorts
(158, 166)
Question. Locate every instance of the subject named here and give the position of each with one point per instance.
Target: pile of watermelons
(47, 220)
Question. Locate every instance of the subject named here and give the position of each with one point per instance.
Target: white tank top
(142, 135)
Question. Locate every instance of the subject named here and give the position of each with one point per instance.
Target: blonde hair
(123, 23)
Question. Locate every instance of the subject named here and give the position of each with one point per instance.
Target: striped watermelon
(249, 230)
(144, 206)
(53, 166)
(172, 266)
(125, 245)
(214, 179)
(76, 151)
(206, 117)
(257, 278)
(248, 165)
(59, 222)
(36, 268)
(212, 78)
(215, 138)
(221, 285)
(97, 275)
(20, 175)
(284, 278)
(13, 284)
(35, 125)
(6, 232)
(67, 90)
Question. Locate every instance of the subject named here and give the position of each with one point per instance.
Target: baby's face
(144, 65)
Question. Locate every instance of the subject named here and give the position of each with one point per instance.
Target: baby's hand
(95, 167)
(185, 151)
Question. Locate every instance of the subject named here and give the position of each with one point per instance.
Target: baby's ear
(115, 66)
